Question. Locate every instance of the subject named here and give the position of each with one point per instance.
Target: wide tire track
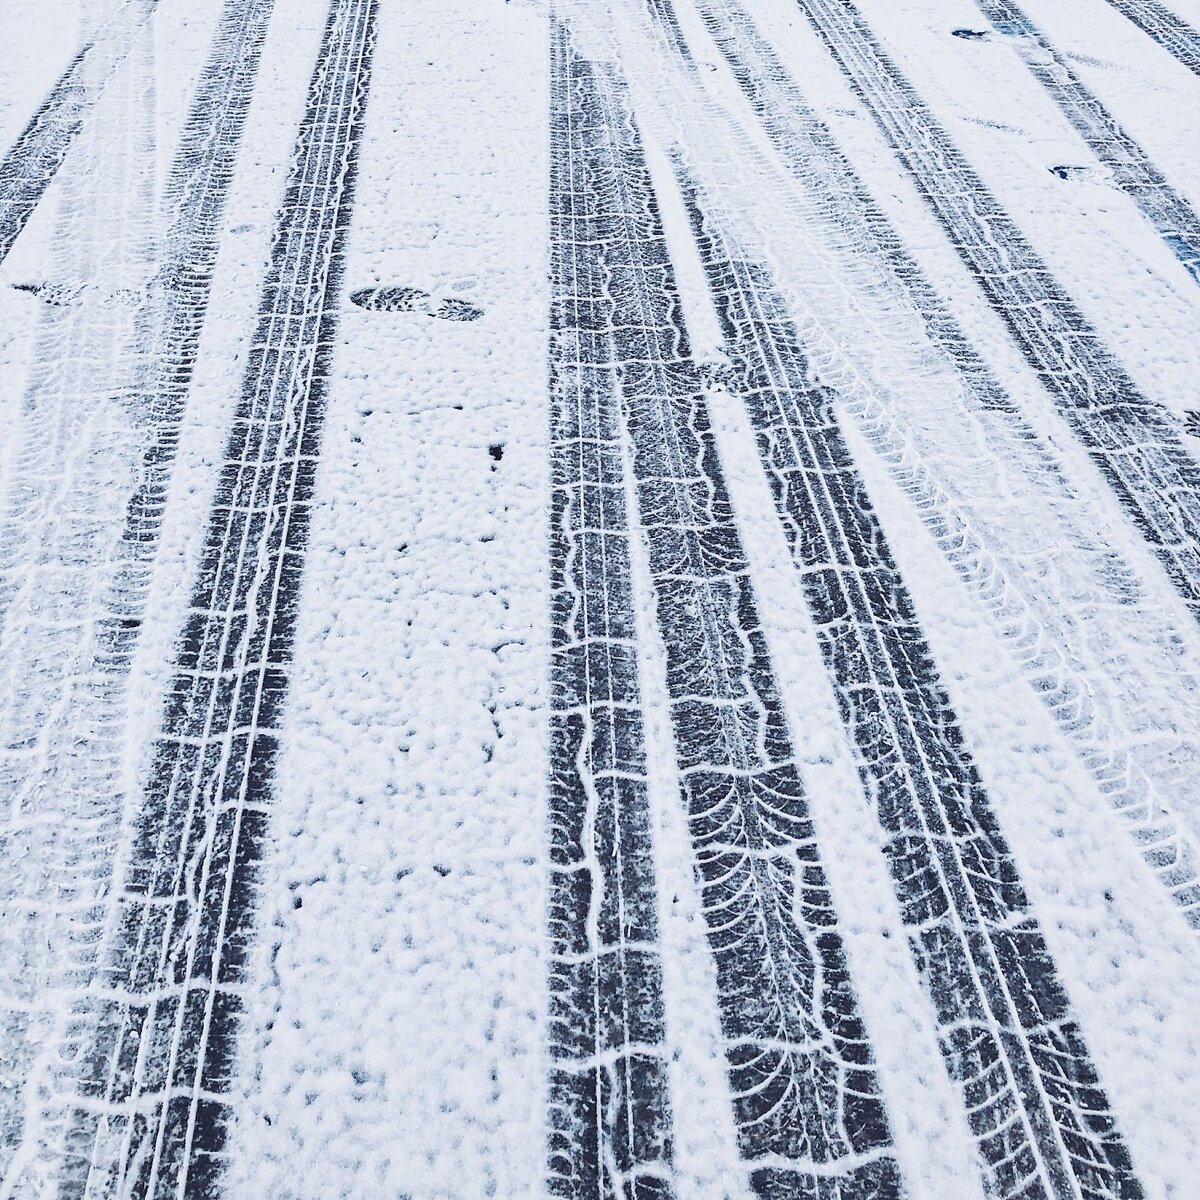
(806, 1099)
(91, 719)
(155, 1115)
(1133, 441)
(32, 161)
(1009, 1037)
(610, 1112)
(1171, 32)
(1105, 713)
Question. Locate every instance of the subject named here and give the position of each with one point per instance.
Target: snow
(409, 846)
(395, 1037)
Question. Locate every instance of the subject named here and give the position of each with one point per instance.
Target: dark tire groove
(31, 163)
(807, 1108)
(155, 1120)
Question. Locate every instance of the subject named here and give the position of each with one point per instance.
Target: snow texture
(599, 599)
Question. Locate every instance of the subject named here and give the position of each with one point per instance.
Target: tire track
(153, 1120)
(1133, 441)
(610, 1112)
(1134, 173)
(34, 158)
(1046, 626)
(195, 195)
(61, 514)
(1171, 32)
(91, 718)
(1009, 1037)
(806, 1101)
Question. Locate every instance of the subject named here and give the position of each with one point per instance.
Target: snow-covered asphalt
(599, 599)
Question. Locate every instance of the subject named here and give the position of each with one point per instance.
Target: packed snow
(599, 599)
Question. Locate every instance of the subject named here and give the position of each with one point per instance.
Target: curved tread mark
(391, 299)
(451, 309)
(807, 1106)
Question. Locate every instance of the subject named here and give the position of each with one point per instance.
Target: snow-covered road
(599, 599)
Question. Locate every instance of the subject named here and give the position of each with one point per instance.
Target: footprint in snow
(68, 295)
(414, 300)
(1064, 171)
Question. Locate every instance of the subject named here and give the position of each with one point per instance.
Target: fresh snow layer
(552, 371)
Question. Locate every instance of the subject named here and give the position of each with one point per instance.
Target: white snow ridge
(599, 600)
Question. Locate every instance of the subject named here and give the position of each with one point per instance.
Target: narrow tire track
(610, 1110)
